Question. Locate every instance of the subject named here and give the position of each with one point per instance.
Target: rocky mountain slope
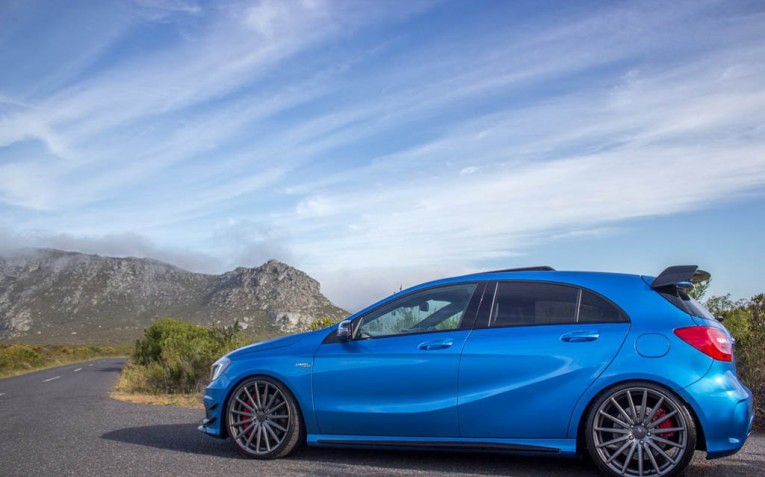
(54, 296)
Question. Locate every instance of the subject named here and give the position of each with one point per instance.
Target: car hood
(281, 342)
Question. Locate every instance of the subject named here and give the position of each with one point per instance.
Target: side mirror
(345, 331)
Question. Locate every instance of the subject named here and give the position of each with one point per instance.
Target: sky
(378, 144)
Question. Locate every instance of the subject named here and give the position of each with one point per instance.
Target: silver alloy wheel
(259, 418)
(639, 431)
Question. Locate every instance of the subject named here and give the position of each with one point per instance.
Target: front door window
(435, 309)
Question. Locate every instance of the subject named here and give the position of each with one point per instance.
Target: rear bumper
(725, 410)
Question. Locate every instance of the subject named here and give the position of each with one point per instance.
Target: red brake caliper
(664, 425)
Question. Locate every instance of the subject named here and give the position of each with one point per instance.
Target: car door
(531, 356)
(397, 376)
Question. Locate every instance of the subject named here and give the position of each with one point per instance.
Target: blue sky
(379, 144)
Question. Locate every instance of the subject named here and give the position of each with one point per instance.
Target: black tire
(640, 429)
(263, 419)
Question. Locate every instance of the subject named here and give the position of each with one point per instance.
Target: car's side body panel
(393, 386)
(530, 377)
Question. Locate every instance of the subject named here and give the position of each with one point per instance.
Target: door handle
(436, 344)
(580, 336)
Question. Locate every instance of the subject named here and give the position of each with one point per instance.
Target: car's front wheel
(640, 429)
(263, 419)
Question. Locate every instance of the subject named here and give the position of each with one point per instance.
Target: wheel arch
(233, 387)
(701, 443)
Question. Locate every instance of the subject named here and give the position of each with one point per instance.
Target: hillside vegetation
(56, 297)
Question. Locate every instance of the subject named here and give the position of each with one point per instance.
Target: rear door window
(525, 304)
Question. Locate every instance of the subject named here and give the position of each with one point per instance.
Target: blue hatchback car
(535, 361)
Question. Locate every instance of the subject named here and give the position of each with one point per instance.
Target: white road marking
(2, 394)
(78, 369)
(91, 364)
(51, 379)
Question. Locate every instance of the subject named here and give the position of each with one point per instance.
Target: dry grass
(132, 387)
(55, 364)
(191, 401)
(16, 359)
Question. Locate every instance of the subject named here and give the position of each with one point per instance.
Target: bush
(750, 351)
(175, 356)
(746, 322)
(320, 323)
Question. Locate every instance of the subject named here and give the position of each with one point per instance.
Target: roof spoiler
(677, 274)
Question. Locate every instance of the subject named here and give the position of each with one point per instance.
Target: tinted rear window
(679, 298)
(540, 303)
(595, 309)
(523, 304)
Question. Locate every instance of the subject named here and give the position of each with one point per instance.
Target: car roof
(603, 282)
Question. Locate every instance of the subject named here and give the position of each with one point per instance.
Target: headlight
(218, 367)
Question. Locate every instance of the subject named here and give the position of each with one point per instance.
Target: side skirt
(552, 447)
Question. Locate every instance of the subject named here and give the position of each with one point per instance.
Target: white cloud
(662, 142)
(314, 207)
(139, 117)
(351, 149)
(114, 245)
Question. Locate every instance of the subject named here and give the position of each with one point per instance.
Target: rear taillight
(713, 342)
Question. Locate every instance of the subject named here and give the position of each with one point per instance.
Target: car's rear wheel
(263, 419)
(640, 429)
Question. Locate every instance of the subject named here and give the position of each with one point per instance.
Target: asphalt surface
(61, 421)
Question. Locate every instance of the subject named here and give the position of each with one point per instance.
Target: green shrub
(175, 356)
(746, 322)
(750, 352)
(321, 323)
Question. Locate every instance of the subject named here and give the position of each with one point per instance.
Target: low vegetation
(323, 322)
(745, 319)
(171, 363)
(20, 358)
(174, 357)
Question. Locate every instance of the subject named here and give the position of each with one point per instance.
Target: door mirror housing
(345, 331)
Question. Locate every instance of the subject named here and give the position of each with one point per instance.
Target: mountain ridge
(49, 295)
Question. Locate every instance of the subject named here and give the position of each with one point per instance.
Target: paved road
(61, 422)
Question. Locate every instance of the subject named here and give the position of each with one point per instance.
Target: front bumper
(214, 402)
(725, 410)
